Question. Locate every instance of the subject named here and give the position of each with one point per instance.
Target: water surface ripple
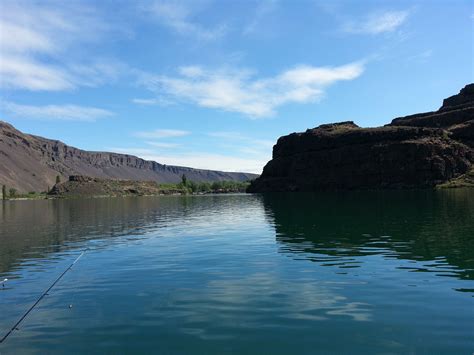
(360, 272)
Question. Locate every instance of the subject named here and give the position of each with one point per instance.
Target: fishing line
(15, 327)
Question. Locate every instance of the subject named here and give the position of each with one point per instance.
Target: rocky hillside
(422, 150)
(31, 163)
(84, 186)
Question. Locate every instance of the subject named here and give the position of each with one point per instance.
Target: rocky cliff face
(421, 150)
(31, 163)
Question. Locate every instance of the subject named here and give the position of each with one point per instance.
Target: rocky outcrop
(31, 163)
(422, 150)
(85, 186)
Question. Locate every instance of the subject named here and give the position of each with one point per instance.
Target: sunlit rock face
(422, 150)
(32, 163)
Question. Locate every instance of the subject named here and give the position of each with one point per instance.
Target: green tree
(4, 192)
(12, 192)
(204, 187)
(216, 185)
(184, 180)
(58, 179)
(193, 186)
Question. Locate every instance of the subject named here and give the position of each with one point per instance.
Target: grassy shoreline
(465, 180)
(181, 189)
(86, 187)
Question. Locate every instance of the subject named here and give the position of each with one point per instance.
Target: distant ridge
(31, 163)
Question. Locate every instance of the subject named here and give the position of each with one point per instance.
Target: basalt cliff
(423, 150)
(31, 163)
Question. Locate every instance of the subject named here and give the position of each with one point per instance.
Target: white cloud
(160, 101)
(162, 133)
(239, 91)
(16, 38)
(145, 101)
(191, 71)
(254, 149)
(422, 57)
(21, 72)
(229, 136)
(207, 161)
(178, 16)
(199, 160)
(264, 8)
(242, 153)
(35, 46)
(378, 22)
(163, 145)
(55, 112)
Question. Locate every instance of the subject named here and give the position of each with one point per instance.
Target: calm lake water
(355, 273)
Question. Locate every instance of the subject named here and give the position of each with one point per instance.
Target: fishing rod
(15, 327)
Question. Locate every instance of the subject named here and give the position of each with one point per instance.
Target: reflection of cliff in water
(433, 227)
(34, 229)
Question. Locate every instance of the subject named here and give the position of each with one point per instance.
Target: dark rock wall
(421, 150)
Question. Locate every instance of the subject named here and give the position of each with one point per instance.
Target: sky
(213, 84)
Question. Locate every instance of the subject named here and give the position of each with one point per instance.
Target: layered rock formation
(31, 163)
(422, 150)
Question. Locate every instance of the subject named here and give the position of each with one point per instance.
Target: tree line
(12, 193)
(208, 187)
(185, 186)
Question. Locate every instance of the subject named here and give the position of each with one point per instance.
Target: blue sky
(213, 84)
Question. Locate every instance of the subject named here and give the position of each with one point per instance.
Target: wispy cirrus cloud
(232, 136)
(421, 57)
(237, 152)
(54, 112)
(179, 17)
(159, 101)
(20, 72)
(263, 9)
(145, 101)
(240, 91)
(35, 40)
(162, 133)
(377, 22)
(162, 144)
(198, 160)
(244, 146)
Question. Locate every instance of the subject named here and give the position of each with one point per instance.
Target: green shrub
(12, 192)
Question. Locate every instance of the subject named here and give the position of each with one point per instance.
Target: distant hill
(422, 150)
(31, 163)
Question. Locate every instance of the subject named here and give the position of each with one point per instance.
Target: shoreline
(80, 197)
(441, 187)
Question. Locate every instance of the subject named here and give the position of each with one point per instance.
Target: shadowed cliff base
(422, 150)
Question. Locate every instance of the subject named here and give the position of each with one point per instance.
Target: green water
(353, 273)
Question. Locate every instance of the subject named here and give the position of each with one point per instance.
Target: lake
(355, 272)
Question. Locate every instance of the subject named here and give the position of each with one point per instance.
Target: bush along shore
(83, 186)
(13, 194)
